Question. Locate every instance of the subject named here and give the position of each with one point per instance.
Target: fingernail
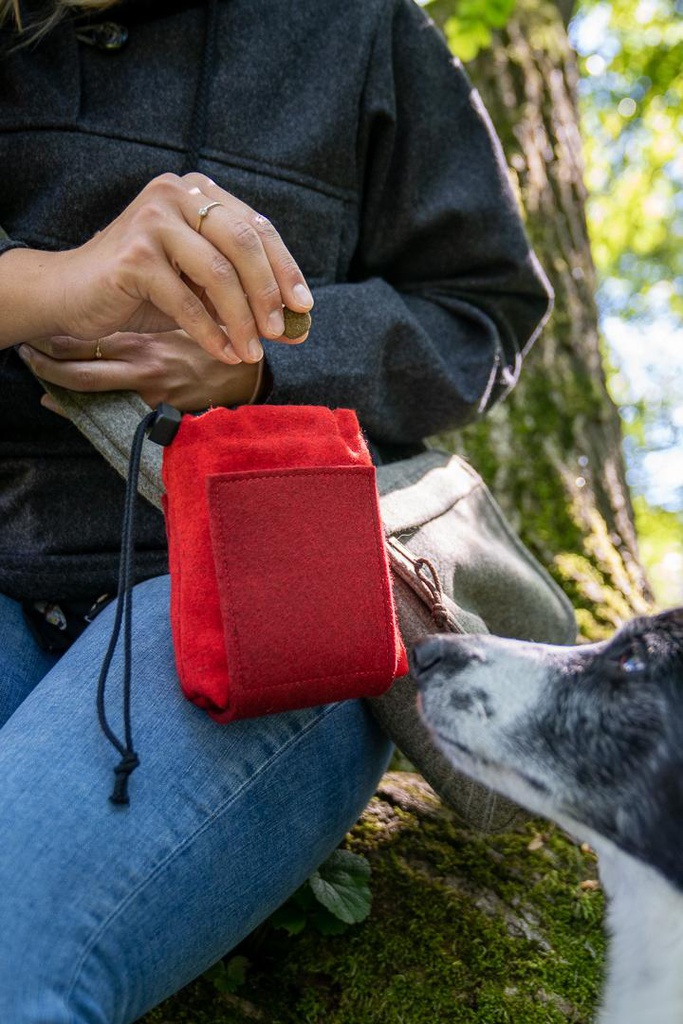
(276, 323)
(230, 354)
(302, 295)
(255, 349)
(49, 403)
(25, 353)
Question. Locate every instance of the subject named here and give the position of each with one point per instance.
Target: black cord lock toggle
(165, 424)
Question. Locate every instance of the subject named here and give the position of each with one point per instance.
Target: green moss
(599, 606)
(464, 929)
(548, 521)
(527, 452)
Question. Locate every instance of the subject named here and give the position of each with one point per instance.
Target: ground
(501, 929)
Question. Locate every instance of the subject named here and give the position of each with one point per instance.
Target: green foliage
(631, 101)
(469, 929)
(335, 896)
(341, 885)
(227, 976)
(469, 24)
(292, 916)
(661, 550)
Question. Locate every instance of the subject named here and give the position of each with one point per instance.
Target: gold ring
(202, 212)
(98, 349)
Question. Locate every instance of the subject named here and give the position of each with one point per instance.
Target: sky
(649, 363)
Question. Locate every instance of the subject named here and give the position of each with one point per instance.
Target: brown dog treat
(296, 324)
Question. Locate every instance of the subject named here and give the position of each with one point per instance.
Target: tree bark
(552, 451)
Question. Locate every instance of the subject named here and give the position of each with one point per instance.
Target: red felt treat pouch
(280, 586)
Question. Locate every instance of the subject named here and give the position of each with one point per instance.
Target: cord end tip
(122, 773)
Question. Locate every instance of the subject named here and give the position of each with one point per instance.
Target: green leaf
(290, 917)
(466, 38)
(228, 976)
(341, 885)
(327, 924)
(498, 12)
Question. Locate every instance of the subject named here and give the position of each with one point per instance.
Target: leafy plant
(228, 975)
(336, 896)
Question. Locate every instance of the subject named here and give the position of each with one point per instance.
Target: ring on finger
(99, 354)
(203, 212)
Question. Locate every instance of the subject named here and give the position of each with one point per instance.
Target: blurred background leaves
(631, 92)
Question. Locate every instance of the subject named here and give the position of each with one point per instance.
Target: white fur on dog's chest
(645, 922)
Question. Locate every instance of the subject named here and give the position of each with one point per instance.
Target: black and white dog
(591, 737)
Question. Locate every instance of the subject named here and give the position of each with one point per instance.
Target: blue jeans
(105, 910)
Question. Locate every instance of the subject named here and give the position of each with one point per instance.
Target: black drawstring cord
(200, 108)
(124, 603)
(162, 425)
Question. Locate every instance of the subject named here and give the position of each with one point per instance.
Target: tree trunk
(464, 928)
(552, 452)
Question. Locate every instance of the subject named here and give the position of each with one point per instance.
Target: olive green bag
(458, 567)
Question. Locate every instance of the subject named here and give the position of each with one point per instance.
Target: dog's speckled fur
(591, 737)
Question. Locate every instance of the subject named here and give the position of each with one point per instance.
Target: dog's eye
(632, 662)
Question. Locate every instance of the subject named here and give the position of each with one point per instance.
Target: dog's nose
(425, 654)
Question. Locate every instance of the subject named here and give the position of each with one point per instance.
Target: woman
(163, 198)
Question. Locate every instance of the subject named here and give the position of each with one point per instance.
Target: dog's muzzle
(449, 652)
(425, 655)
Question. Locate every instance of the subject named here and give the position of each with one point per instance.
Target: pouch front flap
(304, 587)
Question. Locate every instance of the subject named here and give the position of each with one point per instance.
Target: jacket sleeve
(7, 243)
(444, 296)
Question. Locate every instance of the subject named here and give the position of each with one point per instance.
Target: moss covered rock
(501, 929)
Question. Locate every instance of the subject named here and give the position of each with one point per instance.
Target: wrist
(56, 291)
(248, 384)
(29, 293)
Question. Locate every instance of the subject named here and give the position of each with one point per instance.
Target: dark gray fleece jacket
(349, 126)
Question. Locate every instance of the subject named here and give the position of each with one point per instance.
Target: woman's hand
(165, 367)
(223, 278)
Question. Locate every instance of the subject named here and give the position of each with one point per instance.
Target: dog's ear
(672, 617)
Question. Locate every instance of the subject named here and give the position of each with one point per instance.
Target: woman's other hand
(164, 367)
(222, 277)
